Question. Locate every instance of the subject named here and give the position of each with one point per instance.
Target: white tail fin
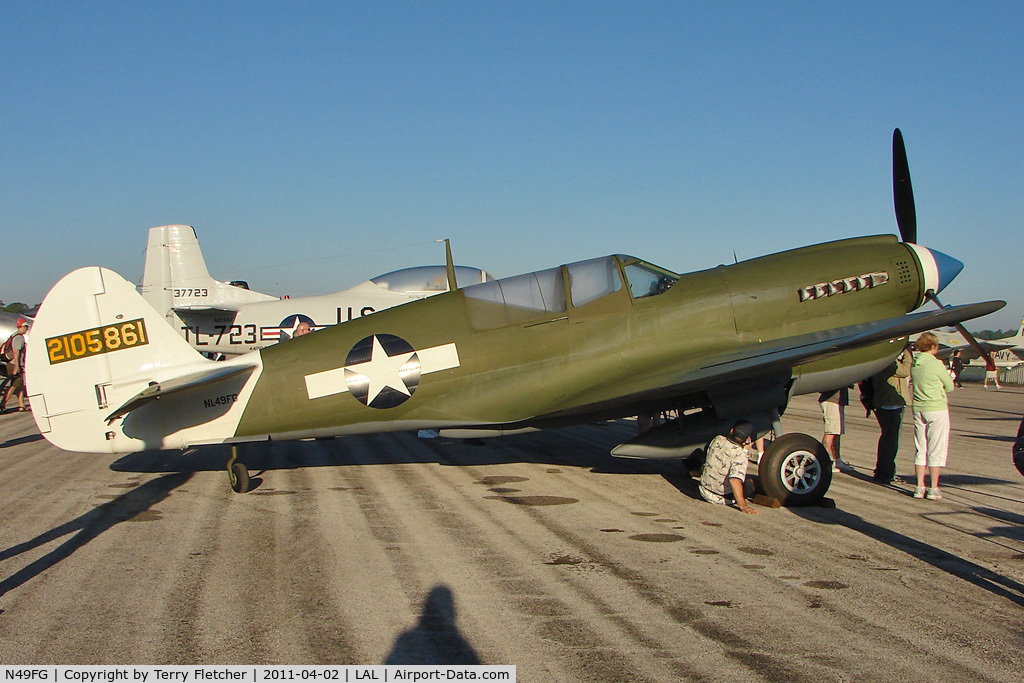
(96, 345)
(175, 275)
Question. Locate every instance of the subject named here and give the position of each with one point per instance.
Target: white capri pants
(931, 438)
(835, 418)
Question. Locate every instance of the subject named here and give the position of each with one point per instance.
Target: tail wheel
(238, 477)
(238, 474)
(796, 469)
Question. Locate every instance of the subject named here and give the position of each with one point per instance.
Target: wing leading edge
(770, 358)
(802, 349)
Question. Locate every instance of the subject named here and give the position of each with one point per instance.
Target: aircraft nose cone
(948, 268)
(938, 269)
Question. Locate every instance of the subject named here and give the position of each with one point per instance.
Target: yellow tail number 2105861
(106, 339)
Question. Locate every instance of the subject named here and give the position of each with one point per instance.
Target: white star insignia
(382, 371)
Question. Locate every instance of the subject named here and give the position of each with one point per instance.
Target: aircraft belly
(845, 369)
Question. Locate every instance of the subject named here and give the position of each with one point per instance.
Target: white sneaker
(934, 494)
(841, 465)
(918, 492)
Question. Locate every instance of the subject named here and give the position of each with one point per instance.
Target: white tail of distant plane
(1017, 340)
(175, 276)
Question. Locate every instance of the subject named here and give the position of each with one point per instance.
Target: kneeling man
(725, 467)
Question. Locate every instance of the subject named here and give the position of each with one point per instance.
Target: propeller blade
(902, 190)
(989, 363)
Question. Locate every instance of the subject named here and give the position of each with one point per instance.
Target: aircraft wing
(769, 359)
(794, 351)
(970, 352)
(157, 390)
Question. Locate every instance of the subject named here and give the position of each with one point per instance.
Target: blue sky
(316, 144)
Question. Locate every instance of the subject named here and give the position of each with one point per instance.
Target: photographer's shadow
(436, 638)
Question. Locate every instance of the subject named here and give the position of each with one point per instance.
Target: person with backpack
(13, 353)
(890, 394)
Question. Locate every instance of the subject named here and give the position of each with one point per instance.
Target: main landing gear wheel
(238, 474)
(795, 469)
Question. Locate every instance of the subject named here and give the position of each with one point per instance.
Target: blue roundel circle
(382, 371)
(292, 321)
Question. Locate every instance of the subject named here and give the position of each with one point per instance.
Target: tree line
(16, 307)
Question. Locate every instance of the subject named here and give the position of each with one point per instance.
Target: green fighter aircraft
(605, 338)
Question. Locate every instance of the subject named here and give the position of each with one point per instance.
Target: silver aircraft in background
(228, 318)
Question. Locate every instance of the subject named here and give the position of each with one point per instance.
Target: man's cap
(742, 431)
(22, 321)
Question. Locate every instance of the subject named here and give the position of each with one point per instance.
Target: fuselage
(518, 365)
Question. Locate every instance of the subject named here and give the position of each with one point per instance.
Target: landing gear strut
(238, 474)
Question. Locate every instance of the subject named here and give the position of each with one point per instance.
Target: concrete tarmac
(537, 550)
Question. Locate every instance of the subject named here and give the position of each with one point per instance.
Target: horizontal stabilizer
(222, 308)
(157, 390)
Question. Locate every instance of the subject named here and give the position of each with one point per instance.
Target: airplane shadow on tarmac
(991, 437)
(968, 480)
(583, 446)
(17, 441)
(436, 638)
(88, 526)
(1015, 523)
(948, 562)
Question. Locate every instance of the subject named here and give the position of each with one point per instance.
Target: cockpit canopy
(534, 295)
(646, 279)
(429, 278)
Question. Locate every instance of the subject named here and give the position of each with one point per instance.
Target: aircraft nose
(939, 269)
(948, 268)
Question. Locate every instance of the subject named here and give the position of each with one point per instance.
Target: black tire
(693, 464)
(796, 469)
(238, 476)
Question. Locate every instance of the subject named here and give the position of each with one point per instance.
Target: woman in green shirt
(931, 414)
